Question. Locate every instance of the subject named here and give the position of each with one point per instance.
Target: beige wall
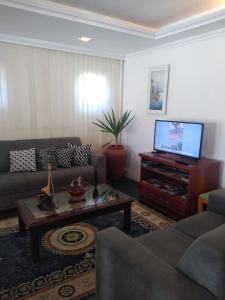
(47, 93)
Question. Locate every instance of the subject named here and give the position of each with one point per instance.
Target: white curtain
(47, 93)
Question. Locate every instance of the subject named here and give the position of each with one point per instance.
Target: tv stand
(172, 186)
(159, 152)
(182, 162)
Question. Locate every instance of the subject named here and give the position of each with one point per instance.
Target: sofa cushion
(62, 142)
(168, 244)
(6, 146)
(12, 183)
(22, 160)
(64, 157)
(45, 157)
(129, 271)
(216, 202)
(59, 178)
(86, 172)
(199, 224)
(81, 154)
(39, 179)
(204, 261)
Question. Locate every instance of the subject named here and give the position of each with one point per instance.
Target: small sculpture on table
(77, 190)
(95, 191)
(46, 196)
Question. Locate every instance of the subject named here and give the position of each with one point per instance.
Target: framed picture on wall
(157, 90)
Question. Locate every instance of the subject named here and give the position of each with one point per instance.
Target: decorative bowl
(76, 193)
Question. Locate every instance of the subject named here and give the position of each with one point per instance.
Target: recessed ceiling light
(84, 39)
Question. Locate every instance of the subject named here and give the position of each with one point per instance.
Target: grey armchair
(183, 262)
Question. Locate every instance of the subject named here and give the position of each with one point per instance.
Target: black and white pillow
(81, 154)
(22, 160)
(44, 157)
(64, 157)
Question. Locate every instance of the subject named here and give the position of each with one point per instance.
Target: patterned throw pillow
(44, 157)
(81, 154)
(22, 160)
(64, 157)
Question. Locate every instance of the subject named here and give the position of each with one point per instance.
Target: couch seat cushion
(36, 180)
(168, 244)
(39, 179)
(86, 172)
(199, 224)
(12, 183)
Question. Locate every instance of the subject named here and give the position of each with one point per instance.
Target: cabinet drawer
(162, 198)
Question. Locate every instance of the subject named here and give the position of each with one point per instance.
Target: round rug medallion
(70, 240)
(66, 291)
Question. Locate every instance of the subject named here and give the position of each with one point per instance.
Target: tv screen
(183, 138)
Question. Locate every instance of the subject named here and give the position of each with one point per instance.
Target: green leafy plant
(113, 125)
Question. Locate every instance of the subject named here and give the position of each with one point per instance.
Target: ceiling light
(84, 39)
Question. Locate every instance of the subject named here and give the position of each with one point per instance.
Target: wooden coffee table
(36, 221)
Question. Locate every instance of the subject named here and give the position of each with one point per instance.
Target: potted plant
(115, 154)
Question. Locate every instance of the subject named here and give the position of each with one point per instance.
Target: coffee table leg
(34, 246)
(22, 229)
(127, 217)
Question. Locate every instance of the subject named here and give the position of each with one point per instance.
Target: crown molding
(180, 43)
(81, 50)
(193, 22)
(65, 12)
(62, 11)
(19, 40)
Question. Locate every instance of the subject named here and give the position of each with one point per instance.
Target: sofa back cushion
(81, 154)
(22, 160)
(64, 157)
(7, 146)
(45, 157)
(204, 261)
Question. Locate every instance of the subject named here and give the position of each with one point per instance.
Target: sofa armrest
(126, 270)
(216, 202)
(98, 160)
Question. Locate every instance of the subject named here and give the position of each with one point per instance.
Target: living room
(77, 81)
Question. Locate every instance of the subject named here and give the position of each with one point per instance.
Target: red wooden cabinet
(173, 187)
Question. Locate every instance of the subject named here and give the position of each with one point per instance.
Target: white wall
(196, 93)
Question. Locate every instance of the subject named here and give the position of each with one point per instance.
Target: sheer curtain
(47, 93)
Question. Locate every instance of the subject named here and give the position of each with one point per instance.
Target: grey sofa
(14, 186)
(183, 262)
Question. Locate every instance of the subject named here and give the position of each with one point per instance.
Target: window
(93, 91)
(3, 90)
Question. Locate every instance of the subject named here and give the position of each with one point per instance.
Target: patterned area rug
(70, 240)
(67, 266)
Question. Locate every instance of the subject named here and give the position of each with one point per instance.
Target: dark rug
(60, 275)
(63, 274)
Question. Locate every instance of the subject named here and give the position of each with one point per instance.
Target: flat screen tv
(182, 138)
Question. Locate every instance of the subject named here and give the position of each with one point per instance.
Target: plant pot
(116, 157)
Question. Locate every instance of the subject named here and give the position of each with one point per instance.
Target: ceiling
(151, 13)
(117, 27)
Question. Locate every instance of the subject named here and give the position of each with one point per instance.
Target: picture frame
(158, 89)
